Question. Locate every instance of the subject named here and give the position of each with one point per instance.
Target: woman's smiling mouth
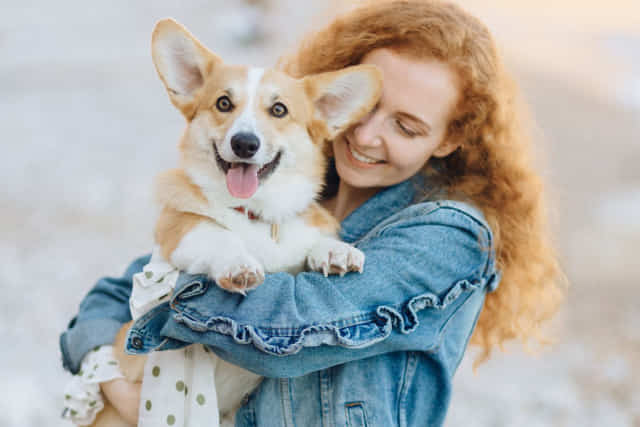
(360, 159)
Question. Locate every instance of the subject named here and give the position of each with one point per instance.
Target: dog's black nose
(245, 144)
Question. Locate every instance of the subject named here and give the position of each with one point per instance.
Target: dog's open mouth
(243, 178)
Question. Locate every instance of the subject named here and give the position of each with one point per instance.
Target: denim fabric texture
(373, 349)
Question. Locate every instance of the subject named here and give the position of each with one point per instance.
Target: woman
(436, 187)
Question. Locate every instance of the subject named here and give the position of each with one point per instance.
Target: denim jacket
(373, 349)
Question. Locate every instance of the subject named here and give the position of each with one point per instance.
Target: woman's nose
(368, 131)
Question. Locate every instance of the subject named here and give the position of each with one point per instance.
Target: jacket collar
(383, 204)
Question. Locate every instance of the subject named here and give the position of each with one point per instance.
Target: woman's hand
(124, 396)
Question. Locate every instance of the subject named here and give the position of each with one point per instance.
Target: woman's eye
(224, 104)
(278, 110)
(405, 130)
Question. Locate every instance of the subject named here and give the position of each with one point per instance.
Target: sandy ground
(87, 125)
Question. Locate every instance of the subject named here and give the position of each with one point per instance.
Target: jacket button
(137, 343)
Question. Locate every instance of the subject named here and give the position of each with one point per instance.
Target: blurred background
(86, 125)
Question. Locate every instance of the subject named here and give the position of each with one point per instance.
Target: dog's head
(258, 131)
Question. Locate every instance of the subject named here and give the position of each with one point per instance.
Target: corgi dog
(242, 201)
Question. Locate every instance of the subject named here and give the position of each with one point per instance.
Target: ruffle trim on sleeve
(356, 332)
(82, 397)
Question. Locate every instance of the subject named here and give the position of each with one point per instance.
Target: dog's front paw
(241, 277)
(335, 257)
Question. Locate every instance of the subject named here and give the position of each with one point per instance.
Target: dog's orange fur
(172, 226)
(180, 199)
(174, 188)
(319, 217)
(493, 167)
(131, 366)
(109, 417)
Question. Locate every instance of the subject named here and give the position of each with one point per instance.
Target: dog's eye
(224, 104)
(278, 110)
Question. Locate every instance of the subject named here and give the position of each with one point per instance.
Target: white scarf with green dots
(178, 387)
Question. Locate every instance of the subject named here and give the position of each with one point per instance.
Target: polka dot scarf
(178, 389)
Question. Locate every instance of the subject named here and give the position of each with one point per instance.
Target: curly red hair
(492, 168)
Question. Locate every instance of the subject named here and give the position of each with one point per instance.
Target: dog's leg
(132, 367)
(198, 245)
(109, 417)
(212, 250)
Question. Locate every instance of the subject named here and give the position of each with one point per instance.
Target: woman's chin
(355, 178)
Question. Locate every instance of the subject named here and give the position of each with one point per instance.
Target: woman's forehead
(424, 87)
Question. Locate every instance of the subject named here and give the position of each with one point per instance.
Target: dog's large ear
(340, 98)
(182, 62)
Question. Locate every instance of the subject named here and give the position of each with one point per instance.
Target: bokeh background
(86, 125)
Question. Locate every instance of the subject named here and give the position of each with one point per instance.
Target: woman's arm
(419, 273)
(102, 313)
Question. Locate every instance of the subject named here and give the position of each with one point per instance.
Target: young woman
(436, 187)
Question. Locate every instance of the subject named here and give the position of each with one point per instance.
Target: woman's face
(407, 126)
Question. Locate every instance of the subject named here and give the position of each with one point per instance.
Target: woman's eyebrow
(417, 121)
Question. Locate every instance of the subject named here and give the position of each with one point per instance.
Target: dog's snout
(245, 144)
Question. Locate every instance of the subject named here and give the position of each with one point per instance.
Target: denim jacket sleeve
(102, 313)
(419, 271)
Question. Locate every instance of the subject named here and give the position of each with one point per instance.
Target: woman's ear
(182, 62)
(446, 147)
(341, 98)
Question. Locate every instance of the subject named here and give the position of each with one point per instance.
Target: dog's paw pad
(241, 278)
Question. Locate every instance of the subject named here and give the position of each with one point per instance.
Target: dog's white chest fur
(278, 247)
(234, 241)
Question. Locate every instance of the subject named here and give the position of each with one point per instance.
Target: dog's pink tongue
(242, 180)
